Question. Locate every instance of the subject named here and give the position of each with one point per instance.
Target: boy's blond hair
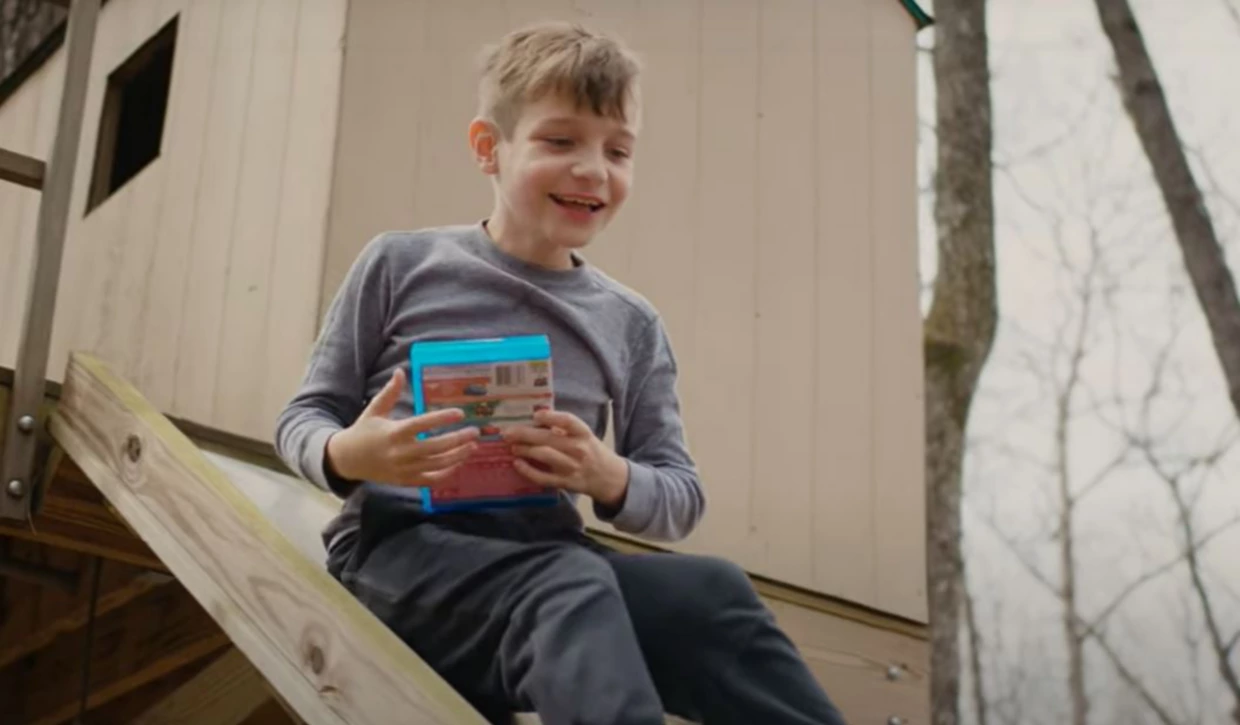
(591, 69)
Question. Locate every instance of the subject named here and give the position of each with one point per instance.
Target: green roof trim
(921, 17)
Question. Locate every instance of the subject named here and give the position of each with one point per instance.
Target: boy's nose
(590, 167)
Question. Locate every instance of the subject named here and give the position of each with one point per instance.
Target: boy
(517, 608)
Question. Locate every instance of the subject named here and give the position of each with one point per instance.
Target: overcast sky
(1069, 167)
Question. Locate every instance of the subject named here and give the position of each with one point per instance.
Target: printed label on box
(493, 396)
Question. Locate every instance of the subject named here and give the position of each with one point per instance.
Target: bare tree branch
(1129, 677)
(980, 706)
(1203, 255)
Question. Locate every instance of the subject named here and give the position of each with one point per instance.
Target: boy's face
(562, 174)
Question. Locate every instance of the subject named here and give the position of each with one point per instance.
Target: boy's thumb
(385, 401)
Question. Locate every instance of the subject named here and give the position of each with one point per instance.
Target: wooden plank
(317, 646)
(899, 443)
(843, 502)
(35, 341)
(21, 169)
(48, 626)
(160, 632)
(74, 517)
(226, 692)
(240, 358)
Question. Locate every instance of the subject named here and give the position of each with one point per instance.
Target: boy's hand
(377, 448)
(572, 457)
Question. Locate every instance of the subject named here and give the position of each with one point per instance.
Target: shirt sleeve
(333, 391)
(664, 499)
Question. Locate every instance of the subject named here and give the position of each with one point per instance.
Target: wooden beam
(326, 655)
(158, 633)
(34, 342)
(227, 692)
(75, 517)
(111, 598)
(21, 169)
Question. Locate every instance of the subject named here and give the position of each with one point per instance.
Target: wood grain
(226, 692)
(318, 647)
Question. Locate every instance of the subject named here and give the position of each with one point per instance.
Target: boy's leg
(713, 647)
(512, 625)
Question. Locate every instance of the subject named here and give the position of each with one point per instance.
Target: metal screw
(17, 489)
(895, 720)
(25, 424)
(893, 673)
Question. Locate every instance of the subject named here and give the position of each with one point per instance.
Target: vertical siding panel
(720, 393)
(785, 374)
(240, 367)
(897, 403)
(613, 250)
(457, 31)
(203, 306)
(141, 242)
(18, 132)
(380, 114)
(665, 198)
(292, 311)
(95, 241)
(193, 87)
(115, 335)
(843, 532)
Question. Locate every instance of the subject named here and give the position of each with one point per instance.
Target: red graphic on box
(493, 396)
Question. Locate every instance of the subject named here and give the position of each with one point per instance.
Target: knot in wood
(133, 447)
(315, 656)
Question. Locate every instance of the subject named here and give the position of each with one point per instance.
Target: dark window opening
(131, 125)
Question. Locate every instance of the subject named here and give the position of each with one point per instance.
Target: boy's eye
(620, 153)
(559, 141)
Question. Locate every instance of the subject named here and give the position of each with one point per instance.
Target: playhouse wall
(199, 278)
(773, 221)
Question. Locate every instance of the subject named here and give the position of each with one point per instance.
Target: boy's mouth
(578, 202)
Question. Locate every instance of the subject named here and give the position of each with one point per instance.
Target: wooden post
(21, 170)
(34, 345)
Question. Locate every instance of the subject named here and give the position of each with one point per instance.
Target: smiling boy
(517, 608)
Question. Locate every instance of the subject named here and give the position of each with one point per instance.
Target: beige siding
(198, 279)
(772, 222)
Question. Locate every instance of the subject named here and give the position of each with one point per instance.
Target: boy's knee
(577, 579)
(720, 582)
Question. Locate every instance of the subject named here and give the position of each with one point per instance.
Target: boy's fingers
(525, 468)
(431, 464)
(383, 403)
(430, 421)
(563, 419)
(532, 436)
(558, 461)
(438, 444)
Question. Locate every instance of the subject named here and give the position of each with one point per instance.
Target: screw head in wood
(895, 720)
(25, 424)
(893, 673)
(17, 488)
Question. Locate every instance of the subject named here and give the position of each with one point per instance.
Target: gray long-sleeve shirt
(610, 353)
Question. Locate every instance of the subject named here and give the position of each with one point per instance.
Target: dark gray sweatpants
(524, 616)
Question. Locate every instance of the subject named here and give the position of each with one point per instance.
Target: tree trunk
(960, 327)
(23, 25)
(1194, 231)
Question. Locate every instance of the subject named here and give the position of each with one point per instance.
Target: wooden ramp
(261, 634)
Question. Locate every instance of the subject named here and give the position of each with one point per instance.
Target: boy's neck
(525, 247)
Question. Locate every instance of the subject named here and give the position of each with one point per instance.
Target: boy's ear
(484, 140)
